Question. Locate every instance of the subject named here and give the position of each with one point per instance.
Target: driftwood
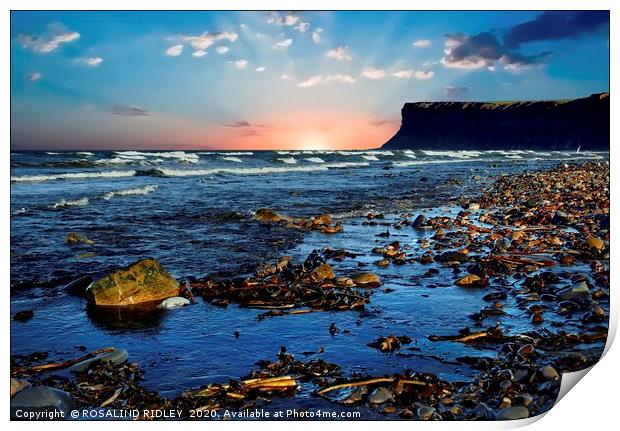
(369, 382)
(70, 362)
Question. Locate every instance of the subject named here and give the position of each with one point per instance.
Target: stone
(367, 279)
(383, 263)
(323, 220)
(595, 243)
(321, 273)
(453, 256)
(23, 316)
(380, 396)
(342, 280)
(550, 373)
(117, 356)
(141, 282)
(267, 215)
(513, 413)
(577, 291)
(76, 238)
(468, 280)
(174, 302)
(473, 206)
(39, 398)
(425, 413)
(419, 221)
(18, 385)
(283, 262)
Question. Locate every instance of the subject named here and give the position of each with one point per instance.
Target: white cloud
(205, 40)
(199, 53)
(88, 61)
(35, 76)
(288, 20)
(424, 74)
(222, 49)
(405, 74)
(240, 64)
(316, 35)
(302, 27)
(285, 77)
(56, 35)
(422, 43)
(339, 53)
(373, 73)
(174, 51)
(319, 79)
(261, 69)
(283, 44)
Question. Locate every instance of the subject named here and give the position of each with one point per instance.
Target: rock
(78, 287)
(453, 256)
(577, 291)
(595, 243)
(23, 316)
(380, 396)
(550, 373)
(117, 356)
(174, 302)
(425, 413)
(333, 229)
(267, 215)
(367, 279)
(321, 272)
(141, 282)
(18, 385)
(283, 262)
(473, 206)
(513, 413)
(323, 220)
(419, 221)
(38, 398)
(383, 263)
(344, 281)
(356, 396)
(76, 238)
(469, 280)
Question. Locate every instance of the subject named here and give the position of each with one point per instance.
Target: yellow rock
(468, 280)
(367, 279)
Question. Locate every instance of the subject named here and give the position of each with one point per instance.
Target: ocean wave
(19, 211)
(181, 156)
(52, 153)
(84, 153)
(130, 192)
(463, 154)
(232, 159)
(287, 160)
(72, 176)
(315, 160)
(292, 153)
(368, 157)
(63, 203)
(222, 153)
(406, 163)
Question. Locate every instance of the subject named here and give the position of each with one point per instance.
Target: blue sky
(283, 79)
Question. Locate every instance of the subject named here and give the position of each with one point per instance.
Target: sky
(281, 80)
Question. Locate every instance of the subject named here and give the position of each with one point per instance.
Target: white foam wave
(231, 153)
(51, 153)
(373, 158)
(315, 160)
(258, 171)
(130, 192)
(72, 176)
(84, 153)
(70, 203)
(464, 154)
(232, 159)
(288, 160)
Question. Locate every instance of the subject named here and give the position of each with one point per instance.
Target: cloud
(455, 91)
(129, 111)
(205, 40)
(373, 73)
(238, 124)
(261, 69)
(288, 20)
(423, 74)
(283, 44)
(405, 74)
(471, 52)
(422, 43)
(556, 25)
(517, 62)
(302, 27)
(339, 53)
(34, 77)
(56, 35)
(222, 49)
(316, 35)
(89, 61)
(381, 123)
(240, 64)
(285, 77)
(199, 53)
(319, 79)
(174, 51)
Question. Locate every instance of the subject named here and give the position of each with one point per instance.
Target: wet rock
(117, 356)
(513, 413)
(18, 385)
(576, 292)
(453, 256)
(43, 398)
(419, 221)
(322, 272)
(595, 244)
(76, 238)
(383, 263)
(341, 280)
(174, 302)
(141, 282)
(23, 316)
(550, 373)
(380, 396)
(367, 279)
(267, 215)
(356, 396)
(469, 280)
(425, 412)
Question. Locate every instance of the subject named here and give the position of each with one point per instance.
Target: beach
(397, 284)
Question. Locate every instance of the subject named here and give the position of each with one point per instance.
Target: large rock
(321, 272)
(577, 291)
(367, 279)
(141, 282)
(42, 398)
(18, 385)
(267, 215)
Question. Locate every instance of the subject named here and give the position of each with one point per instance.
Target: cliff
(533, 125)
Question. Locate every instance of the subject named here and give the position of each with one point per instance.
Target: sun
(314, 141)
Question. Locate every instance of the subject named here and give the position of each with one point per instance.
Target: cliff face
(536, 125)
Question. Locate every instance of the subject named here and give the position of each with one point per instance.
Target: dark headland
(531, 125)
